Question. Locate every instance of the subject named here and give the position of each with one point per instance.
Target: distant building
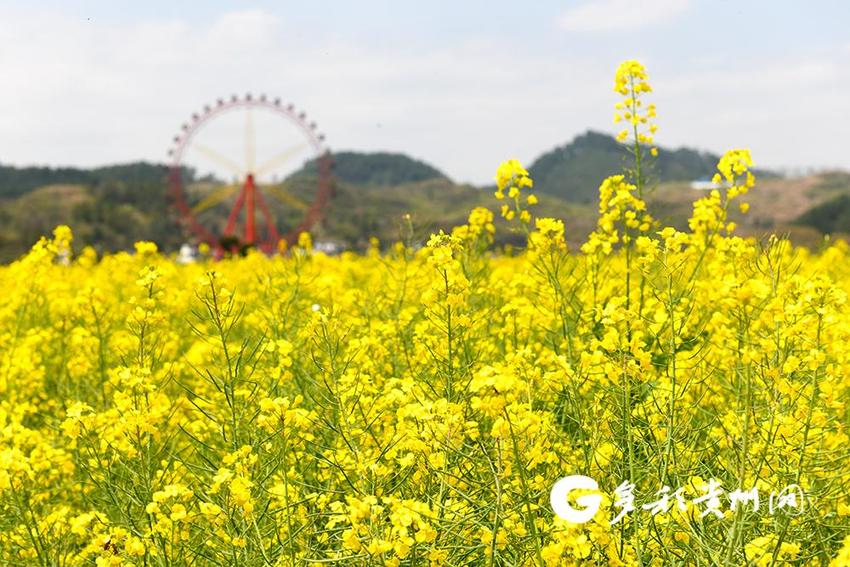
(328, 247)
(187, 254)
(706, 185)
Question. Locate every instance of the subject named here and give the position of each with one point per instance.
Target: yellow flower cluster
(711, 212)
(512, 178)
(622, 216)
(632, 81)
(415, 407)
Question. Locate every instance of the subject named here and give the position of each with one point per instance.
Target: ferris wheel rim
(190, 129)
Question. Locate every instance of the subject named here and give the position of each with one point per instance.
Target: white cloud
(616, 15)
(91, 93)
(87, 94)
(788, 112)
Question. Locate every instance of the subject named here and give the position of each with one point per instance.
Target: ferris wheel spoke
(286, 198)
(219, 159)
(218, 196)
(250, 141)
(279, 159)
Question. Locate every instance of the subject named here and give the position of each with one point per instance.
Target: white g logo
(589, 502)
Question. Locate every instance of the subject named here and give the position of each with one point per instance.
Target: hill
(17, 181)
(832, 216)
(573, 171)
(111, 207)
(379, 168)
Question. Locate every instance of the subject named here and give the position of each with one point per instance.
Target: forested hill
(378, 168)
(17, 181)
(573, 171)
(111, 207)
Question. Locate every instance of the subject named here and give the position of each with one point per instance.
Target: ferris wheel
(247, 148)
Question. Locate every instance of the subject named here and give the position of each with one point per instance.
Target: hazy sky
(460, 84)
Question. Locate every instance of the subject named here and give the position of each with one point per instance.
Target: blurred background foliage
(111, 207)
